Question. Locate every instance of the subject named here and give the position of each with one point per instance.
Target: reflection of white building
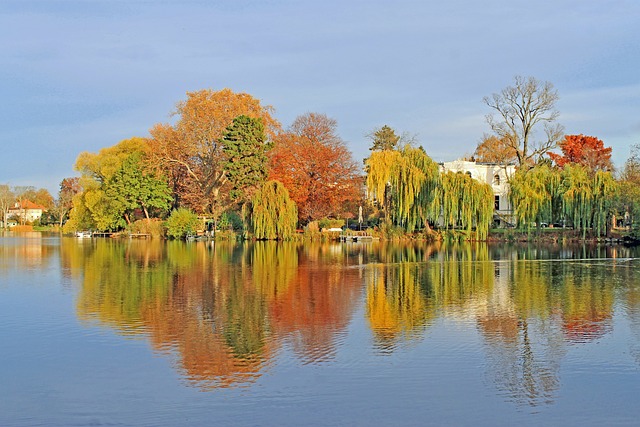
(494, 174)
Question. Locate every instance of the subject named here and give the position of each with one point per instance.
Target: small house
(25, 211)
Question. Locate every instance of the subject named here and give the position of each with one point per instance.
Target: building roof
(27, 204)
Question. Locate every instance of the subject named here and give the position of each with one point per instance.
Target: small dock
(102, 234)
(357, 236)
(139, 236)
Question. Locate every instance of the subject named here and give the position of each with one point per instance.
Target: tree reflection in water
(225, 310)
(539, 308)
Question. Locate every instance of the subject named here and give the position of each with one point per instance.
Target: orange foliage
(316, 167)
(495, 150)
(585, 150)
(191, 153)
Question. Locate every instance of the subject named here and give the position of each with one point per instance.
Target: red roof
(28, 204)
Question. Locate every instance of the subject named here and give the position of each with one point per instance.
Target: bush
(390, 231)
(22, 228)
(312, 231)
(226, 235)
(181, 223)
(154, 227)
(230, 221)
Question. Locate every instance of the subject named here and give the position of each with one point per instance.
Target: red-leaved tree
(588, 151)
(316, 167)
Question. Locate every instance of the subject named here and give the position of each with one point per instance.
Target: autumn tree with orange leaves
(495, 150)
(191, 152)
(585, 150)
(316, 167)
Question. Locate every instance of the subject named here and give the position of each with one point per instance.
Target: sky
(81, 75)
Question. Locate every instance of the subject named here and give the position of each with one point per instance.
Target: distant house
(494, 174)
(26, 211)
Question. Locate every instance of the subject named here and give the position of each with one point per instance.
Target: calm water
(144, 333)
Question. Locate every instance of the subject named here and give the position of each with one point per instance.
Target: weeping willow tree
(274, 214)
(380, 167)
(465, 202)
(420, 176)
(605, 192)
(403, 182)
(533, 192)
(587, 197)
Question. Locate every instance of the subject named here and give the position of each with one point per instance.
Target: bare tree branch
(518, 111)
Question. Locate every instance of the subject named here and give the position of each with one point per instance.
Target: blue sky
(81, 75)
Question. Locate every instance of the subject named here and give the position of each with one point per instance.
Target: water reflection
(396, 304)
(313, 312)
(541, 307)
(26, 251)
(225, 311)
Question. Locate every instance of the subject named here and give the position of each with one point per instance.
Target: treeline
(576, 187)
(228, 161)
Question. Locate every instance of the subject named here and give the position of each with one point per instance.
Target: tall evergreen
(245, 146)
(384, 138)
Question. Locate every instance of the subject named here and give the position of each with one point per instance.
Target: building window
(496, 203)
(496, 179)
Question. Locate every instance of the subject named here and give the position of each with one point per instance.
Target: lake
(106, 332)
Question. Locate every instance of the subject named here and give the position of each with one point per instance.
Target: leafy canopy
(316, 168)
(588, 151)
(192, 152)
(116, 182)
(403, 182)
(181, 223)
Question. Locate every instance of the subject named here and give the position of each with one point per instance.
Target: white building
(497, 176)
(26, 211)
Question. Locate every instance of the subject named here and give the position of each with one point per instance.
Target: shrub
(22, 228)
(181, 222)
(312, 231)
(225, 235)
(390, 231)
(230, 221)
(154, 227)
